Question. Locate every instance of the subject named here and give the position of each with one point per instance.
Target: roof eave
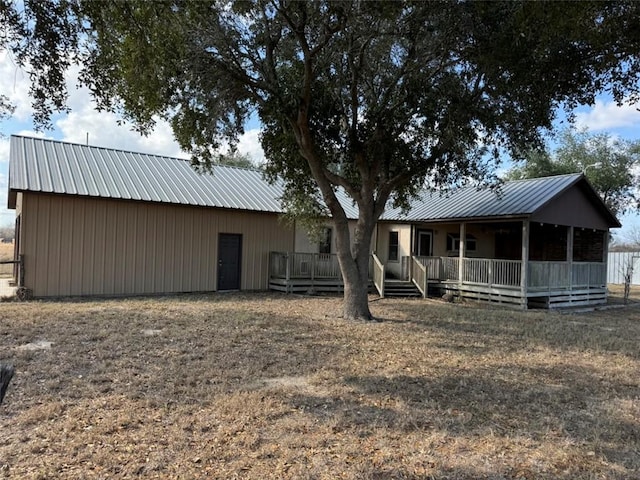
(12, 199)
(492, 218)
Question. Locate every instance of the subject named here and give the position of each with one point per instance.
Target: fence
(617, 267)
(16, 269)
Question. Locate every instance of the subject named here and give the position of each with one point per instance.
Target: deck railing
(312, 266)
(562, 275)
(378, 275)
(479, 271)
(492, 272)
(420, 274)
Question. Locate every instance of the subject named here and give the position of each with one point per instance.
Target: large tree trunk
(354, 264)
(6, 374)
(356, 299)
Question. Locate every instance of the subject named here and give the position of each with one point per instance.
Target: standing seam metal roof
(516, 198)
(49, 166)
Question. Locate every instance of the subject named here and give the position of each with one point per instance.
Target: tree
(610, 165)
(236, 159)
(377, 99)
(8, 233)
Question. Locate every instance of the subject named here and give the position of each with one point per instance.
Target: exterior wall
(85, 246)
(572, 208)
(485, 242)
(304, 244)
(484, 235)
(393, 268)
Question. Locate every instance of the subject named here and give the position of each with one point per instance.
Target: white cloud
(103, 130)
(14, 83)
(607, 115)
(7, 217)
(4, 152)
(249, 143)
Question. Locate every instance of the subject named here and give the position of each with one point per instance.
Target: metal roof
(40, 165)
(49, 166)
(518, 198)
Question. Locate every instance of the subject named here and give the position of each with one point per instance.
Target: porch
(545, 284)
(293, 272)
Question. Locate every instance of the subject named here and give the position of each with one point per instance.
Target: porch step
(398, 288)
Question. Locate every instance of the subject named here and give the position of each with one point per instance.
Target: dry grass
(6, 253)
(274, 386)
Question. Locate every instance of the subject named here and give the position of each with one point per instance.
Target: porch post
(570, 255)
(524, 269)
(463, 235)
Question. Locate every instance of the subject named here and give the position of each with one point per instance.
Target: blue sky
(103, 130)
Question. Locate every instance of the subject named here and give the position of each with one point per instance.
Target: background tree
(377, 99)
(610, 165)
(7, 232)
(237, 159)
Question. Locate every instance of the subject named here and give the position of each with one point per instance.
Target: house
(96, 221)
(539, 242)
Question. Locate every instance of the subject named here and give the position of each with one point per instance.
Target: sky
(103, 129)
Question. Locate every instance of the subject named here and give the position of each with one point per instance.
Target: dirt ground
(280, 386)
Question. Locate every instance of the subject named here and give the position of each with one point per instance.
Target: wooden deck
(304, 272)
(549, 284)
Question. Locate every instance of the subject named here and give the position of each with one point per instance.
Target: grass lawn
(276, 386)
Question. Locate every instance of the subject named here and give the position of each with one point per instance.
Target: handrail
(419, 276)
(378, 275)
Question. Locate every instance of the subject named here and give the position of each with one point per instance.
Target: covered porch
(558, 266)
(522, 262)
(535, 243)
(544, 284)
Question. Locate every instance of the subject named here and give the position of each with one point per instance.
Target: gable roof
(48, 166)
(516, 198)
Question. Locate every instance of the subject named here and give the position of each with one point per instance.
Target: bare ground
(276, 386)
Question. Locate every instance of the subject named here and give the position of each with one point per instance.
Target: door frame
(419, 233)
(239, 272)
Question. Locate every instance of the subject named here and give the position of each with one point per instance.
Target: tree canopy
(376, 98)
(610, 165)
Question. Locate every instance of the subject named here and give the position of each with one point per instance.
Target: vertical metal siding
(86, 246)
(617, 266)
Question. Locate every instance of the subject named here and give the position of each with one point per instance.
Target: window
(324, 246)
(453, 243)
(393, 247)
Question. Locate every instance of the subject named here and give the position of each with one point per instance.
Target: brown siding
(83, 246)
(572, 208)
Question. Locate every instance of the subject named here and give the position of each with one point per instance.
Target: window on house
(324, 246)
(393, 247)
(453, 243)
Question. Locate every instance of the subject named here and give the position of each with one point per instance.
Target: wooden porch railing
(476, 271)
(290, 265)
(562, 275)
(420, 275)
(492, 272)
(378, 275)
(508, 273)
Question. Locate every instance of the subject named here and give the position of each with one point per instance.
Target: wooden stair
(400, 288)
